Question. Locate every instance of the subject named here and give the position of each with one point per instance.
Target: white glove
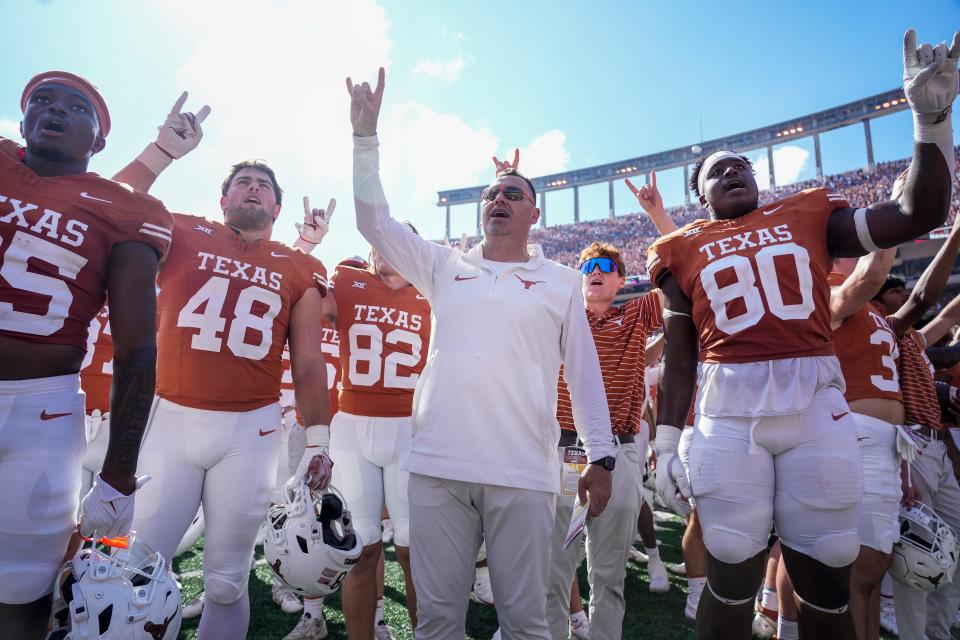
(316, 222)
(105, 512)
(179, 134)
(315, 465)
(930, 82)
(930, 77)
(667, 478)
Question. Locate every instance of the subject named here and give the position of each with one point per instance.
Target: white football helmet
(309, 540)
(194, 531)
(129, 594)
(926, 554)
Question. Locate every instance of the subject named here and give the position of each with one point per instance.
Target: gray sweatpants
(919, 612)
(448, 519)
(609, 537)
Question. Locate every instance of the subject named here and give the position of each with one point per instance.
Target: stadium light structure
(812, 125)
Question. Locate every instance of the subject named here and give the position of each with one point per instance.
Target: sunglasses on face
(606, 265)
(513, 194)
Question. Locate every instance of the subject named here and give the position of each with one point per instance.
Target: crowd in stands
(633, 233)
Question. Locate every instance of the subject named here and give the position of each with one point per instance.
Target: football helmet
(309, 541)
(926, 554)
(194, 531)
(126, 594)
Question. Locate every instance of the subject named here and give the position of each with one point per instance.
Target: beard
(248, 218)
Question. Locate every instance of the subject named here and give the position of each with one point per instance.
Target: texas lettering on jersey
(55, 244)
(868, 352)
(757, 283)
(224, 310)
(384, 335)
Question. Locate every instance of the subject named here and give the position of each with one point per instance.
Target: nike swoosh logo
(837, 417)
(84, 194)
(52, 416)
(770, 212)
(863, 438)
(266, 433)
(278, 255)
(460, 278)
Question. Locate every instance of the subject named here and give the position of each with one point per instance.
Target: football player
(230, 300)
(385, 325)
(774, 440)
(67, 238)
(483, 460)
(620, 334)
(867, 349)
(918, 612)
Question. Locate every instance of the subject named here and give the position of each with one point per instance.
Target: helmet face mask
(925, 556)
(126, 593)
(310, 543)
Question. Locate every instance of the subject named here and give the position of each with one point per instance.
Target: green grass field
(649, 616)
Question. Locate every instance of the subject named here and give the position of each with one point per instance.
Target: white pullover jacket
(485, 406)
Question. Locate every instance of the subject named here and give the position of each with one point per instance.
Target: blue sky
(572, 84)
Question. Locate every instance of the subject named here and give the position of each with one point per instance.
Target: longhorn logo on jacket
(528, 283)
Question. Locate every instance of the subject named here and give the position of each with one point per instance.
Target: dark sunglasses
(606, 265)
(513, 194)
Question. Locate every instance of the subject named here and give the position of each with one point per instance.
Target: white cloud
(276, 86)
(789, 161)
(447, 71)
(10, 129)
(545, 155)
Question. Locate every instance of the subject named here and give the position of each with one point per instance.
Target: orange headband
(73, 81)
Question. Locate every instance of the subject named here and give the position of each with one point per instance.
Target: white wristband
(154, 159)
(940, 134)
(318, 435)
(667, 440)
(863, 230)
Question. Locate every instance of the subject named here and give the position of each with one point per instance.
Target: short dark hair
(698, 166)
(893, 281)
(259, 165)
(513, 172)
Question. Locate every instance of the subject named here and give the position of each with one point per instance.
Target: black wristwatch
(607, 462)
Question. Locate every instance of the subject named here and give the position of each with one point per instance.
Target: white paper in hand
(577, 522)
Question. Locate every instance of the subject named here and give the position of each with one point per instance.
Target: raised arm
(649, 198)
(860, 286)
(179, 134)
(415, 258)
(930, 285)
(131, 288)
(309, 370)
(930, 82)
(941, 325)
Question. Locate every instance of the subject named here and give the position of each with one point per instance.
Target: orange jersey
(920, 402)
(620, 335)
(758, 283)
(96, 372)
(224, 309)
(330, 343)
(56, 237)
(384, 335)
(867, 349)
(331, 353)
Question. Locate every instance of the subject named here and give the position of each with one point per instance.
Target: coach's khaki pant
(609, 537)
(919, 612)
(448, 519)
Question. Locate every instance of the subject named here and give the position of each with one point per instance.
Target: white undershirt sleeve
(581, 372)
(415, 258)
